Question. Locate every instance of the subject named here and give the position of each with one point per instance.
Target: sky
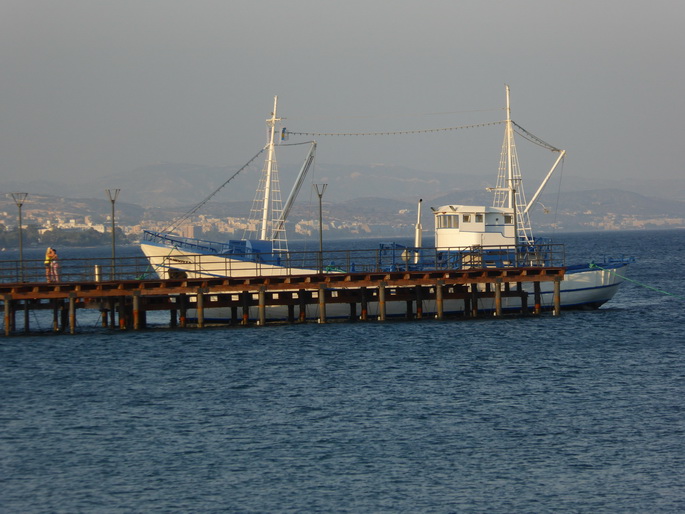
(96, 88)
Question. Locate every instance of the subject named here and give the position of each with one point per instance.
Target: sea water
(581, 413)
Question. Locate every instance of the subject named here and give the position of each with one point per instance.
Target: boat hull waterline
(584, 288)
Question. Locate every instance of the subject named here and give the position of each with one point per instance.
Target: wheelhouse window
(479, 218)
(508, 219)
(448, 221)
(467, 218)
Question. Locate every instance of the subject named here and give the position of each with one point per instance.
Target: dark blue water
(580, 413)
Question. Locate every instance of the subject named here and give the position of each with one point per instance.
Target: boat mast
(511, 202)
(270, 160)
(509, 191)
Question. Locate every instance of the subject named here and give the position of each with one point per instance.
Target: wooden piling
(133, 299)
(322, 303)
(302, 296)
(381, 301)
(439, 300)
(498, 297)
(419, 302)
(245, 299)
(200, 307)
(262, 305)
(112, 314)
(474, 300)
(557, 296)
(183, 310)
(136, 311)
(26, 317)
(8, 315)
(72, 314)
(364, 304)
(121, 310)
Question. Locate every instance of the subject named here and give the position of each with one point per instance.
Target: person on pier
(51, 265)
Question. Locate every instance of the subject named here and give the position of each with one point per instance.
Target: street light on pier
(113, 194)
(19, 199)
(320, 192)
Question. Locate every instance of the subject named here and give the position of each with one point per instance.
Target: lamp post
(320, 192)
(113, 194)
(19, 199)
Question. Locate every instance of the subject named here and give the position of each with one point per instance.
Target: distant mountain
(177, 184)
(379, 195)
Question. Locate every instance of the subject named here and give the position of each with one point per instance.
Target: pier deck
(131, 299)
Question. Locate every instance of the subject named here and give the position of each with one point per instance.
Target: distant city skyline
(93, 89)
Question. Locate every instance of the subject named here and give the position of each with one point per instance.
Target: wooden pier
(123, 304)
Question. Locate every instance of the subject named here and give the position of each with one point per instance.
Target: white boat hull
(172, 262)
(582, 289)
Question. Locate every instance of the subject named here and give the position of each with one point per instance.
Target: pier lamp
(320, 192)
(19, 199)
(113, 194)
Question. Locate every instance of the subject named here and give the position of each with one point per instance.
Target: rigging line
(533, 138)
(556, 207)
(393, 133)
(203, 202)
(593, 265)
(296, 144)
(414, 115)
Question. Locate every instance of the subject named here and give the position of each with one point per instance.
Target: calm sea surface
(580, 413)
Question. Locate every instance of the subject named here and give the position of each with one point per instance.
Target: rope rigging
(646, 286)
(203, 202)
(533, 138)
(393, 133)
(285, 133)
(518, 128)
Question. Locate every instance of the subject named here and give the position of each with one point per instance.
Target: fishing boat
(264, 254)
(466, 236)
(501, 235)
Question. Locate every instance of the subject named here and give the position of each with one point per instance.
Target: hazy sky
(90, 88)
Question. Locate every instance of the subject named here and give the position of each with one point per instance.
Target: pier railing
(74, 270)
(388, 257)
